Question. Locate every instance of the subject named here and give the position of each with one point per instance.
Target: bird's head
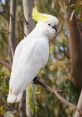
(47, 24)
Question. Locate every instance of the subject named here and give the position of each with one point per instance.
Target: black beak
(55, 27)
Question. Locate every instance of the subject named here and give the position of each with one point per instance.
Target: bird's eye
(49, 24)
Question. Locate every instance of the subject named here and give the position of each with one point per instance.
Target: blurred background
(63, 70)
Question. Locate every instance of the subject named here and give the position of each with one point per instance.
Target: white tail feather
(14, 98)
(11, 98)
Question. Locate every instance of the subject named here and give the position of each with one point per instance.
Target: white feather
(30, 56)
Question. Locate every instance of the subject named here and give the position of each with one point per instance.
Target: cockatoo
(31, 55)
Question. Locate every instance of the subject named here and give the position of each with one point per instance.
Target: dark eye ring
(49, 24)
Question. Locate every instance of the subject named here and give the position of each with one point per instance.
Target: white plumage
(31, 55)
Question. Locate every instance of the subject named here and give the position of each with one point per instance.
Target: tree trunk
(79, 105)
(75, 44)
(22, 106)
(27, 8)
(29, 25)
(12, 23)
(12, 35)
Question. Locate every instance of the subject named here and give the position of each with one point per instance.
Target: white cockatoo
(31, 55)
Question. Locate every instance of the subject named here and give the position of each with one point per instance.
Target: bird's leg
(46, 67)
(35, 79)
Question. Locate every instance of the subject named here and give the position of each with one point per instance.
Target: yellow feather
(39, 16)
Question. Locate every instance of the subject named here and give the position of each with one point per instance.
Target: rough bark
(29, 25)
(75, 44)
(12, 36)
(12, 23)
(27, 8)
(22, 106)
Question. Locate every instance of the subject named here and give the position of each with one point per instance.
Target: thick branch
(56, 93)
(12, 26)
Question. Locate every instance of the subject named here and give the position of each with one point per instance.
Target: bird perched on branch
(31, 55)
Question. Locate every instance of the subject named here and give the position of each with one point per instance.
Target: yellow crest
(39, 16)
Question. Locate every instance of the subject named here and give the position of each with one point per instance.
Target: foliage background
(57, 73)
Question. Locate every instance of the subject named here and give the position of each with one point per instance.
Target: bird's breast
(45, 51)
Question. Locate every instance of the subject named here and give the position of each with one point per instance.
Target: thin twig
(56, 93)
(5, 32)
(4, 63)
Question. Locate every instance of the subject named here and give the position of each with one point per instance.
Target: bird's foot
(35, 80)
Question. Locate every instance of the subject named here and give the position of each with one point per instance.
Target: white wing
(33, 57)
(17, 54)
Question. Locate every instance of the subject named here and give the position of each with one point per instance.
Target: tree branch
(4, 63)
(12, 36)
(48, 88)
(56, 93)
(5, 32)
